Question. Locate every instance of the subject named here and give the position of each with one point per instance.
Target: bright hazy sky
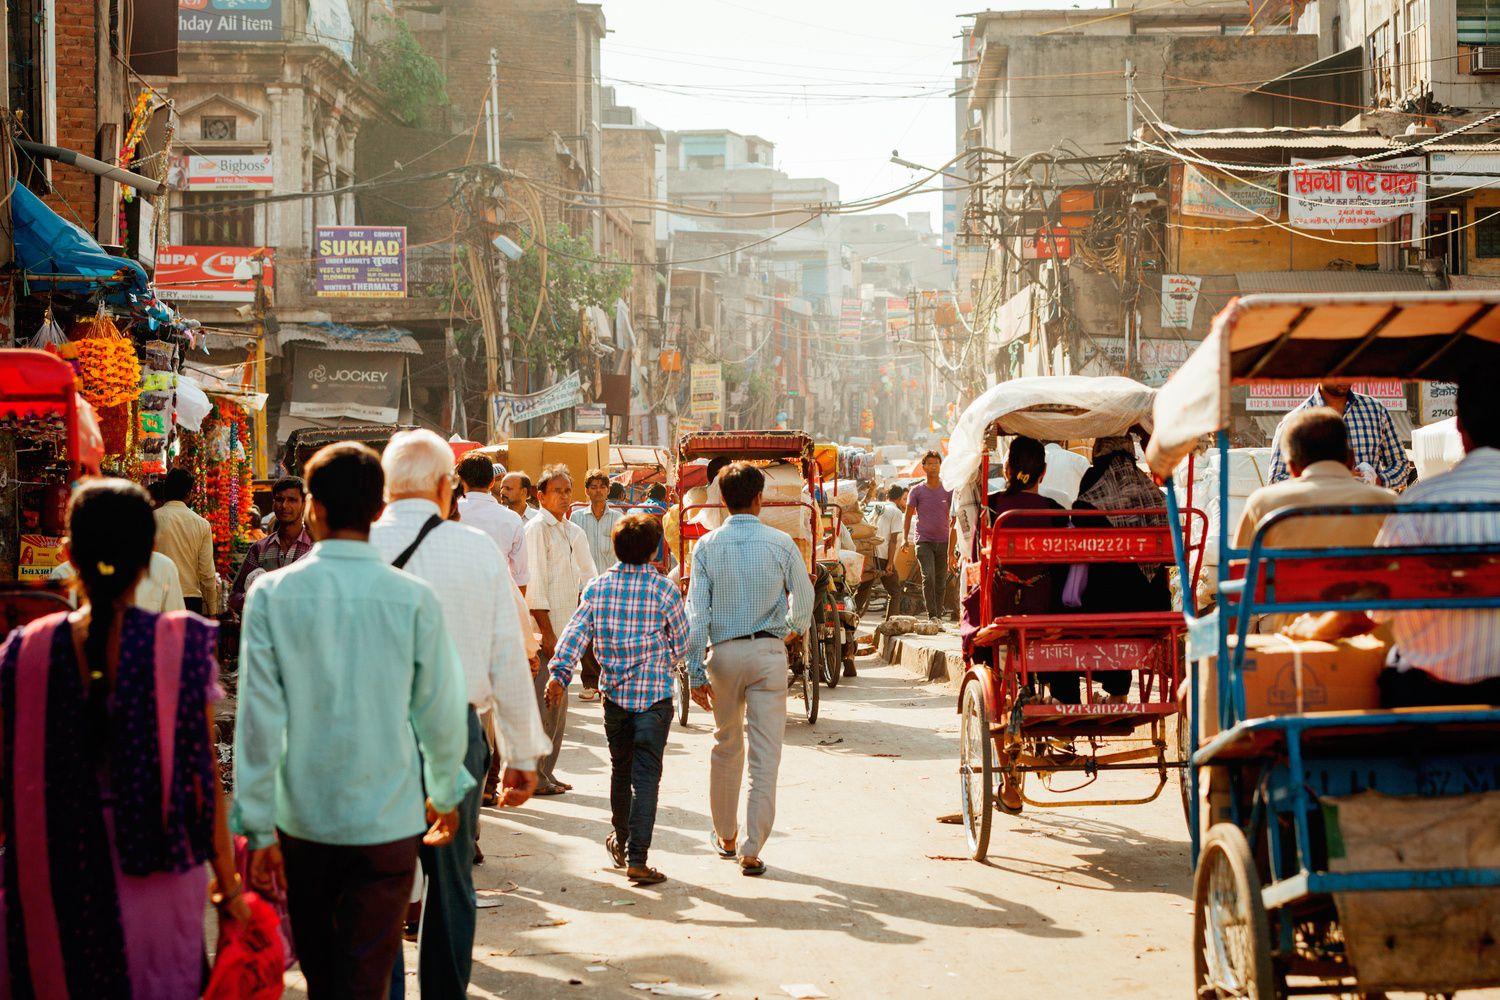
(835, 84)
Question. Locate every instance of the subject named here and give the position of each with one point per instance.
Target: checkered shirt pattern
(1372, 436)
(637, 624)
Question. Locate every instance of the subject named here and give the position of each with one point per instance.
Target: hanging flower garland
(106, 361)
(219, 456)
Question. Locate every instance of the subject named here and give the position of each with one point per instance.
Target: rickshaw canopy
(37, 383)
(745, 445)
(1048, 408)
(1411, 336)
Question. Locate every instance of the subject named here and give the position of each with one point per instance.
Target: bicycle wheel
(833, 648)
(812, 668)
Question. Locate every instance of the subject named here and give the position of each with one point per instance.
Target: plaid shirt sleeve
(1279, 471)
(674, 610)
(1372, 434)
(575, 637)
(249, 565)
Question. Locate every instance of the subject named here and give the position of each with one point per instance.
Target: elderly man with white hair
(474, 586)
(557, 551)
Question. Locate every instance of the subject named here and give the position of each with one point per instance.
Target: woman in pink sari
(110, 791)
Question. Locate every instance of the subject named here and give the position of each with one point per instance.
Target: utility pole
(1129, 102)
(1129, 329)
(260, 459)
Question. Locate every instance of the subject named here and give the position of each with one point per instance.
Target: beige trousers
(749, 678)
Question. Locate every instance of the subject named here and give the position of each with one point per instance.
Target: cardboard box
(39, 556)
(1334, 676)
(524, 455)
(580, 451)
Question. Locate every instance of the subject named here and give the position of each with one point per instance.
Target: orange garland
(107, 364)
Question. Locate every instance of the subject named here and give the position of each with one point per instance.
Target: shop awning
(35, 383)
(1254, 282)
(51, 250)
(1328, 66)
(342, 337)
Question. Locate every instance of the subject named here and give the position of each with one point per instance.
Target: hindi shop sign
(1278, 397)
(706, 390)
(1362, 196)
(1179, 300)
(1209, 194)
(229, 20)
(228, 172)
(206, 274)
(360, 262)
(511, 409)
(364, 385)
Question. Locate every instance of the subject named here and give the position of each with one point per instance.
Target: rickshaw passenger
(1115, 482)
(1029, 589)
(1449, 657)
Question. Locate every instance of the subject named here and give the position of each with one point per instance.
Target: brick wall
(541, 87)
(77, 109)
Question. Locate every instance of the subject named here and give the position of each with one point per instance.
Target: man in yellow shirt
(186, 538)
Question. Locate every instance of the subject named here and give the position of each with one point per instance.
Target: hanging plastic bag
(251, 961)
(277, 905)
(49, 335)
(192, 404)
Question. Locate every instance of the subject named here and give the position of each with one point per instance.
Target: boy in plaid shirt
(635, 620)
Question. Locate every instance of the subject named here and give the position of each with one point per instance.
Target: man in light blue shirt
(742, 576)
(352, 700)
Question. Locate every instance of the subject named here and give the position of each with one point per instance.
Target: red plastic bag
(277, 901)
(251, 959)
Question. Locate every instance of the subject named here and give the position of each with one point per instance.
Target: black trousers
(1419, 689)
(1067, 687)
(588, 670)
(446, 954)
(347, 904)
(637, 741)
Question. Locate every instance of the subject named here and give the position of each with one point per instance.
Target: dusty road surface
(862, 898)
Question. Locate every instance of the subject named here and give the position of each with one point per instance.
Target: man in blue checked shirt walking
(743, 574)
(1379, 457)
(633, 617)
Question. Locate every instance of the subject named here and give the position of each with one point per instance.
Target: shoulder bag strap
(400, 561)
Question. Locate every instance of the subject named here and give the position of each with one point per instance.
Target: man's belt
(762, 634)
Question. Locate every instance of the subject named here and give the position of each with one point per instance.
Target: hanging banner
(1179, 300)
(1046, 243)
(516, 409)
(850, 318)
(1275, 397)
(228, 20)
(226, 172)
(364, 385)
(706, 390)
(1363, 196)
(360, 262)
(1210, 194)
(206, 274)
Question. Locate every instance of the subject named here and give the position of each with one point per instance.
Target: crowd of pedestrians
(409, 629)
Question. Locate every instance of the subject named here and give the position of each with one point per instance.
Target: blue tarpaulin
(48, 244)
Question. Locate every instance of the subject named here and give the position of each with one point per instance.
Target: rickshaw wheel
(833, 649)
(812, 666)
(1182, 751)
(1231, 933)
(976, 772)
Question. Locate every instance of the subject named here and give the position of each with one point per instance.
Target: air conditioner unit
(1485, 59)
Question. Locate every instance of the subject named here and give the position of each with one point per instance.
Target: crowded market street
(867, 896)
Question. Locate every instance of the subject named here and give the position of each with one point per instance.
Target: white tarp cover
(1194, 402)
(1436, 448)
(1048, 408)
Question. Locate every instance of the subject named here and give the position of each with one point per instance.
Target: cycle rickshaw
(773, 449)
(1008, 729)
(1356, 850)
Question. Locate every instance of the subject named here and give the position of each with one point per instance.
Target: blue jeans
(637, 741)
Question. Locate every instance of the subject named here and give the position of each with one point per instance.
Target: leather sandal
(616, 852)
(645, 876)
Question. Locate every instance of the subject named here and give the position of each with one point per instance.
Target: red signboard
(1084, 545)
(1047, 242)
(187, 274)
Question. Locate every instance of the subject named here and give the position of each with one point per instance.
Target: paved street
(867, 896)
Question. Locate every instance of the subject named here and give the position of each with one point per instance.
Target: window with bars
(1479, 22)
(230, 226)
(1487, 234)
(1382, 63)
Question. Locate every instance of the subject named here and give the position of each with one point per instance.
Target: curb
(922, 659)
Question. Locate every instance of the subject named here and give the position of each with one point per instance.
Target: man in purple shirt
(932, 507)
(282, 547)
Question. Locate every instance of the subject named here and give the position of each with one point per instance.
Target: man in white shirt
(158, 591)
(598, 522)
(478, 508)
(558, 554)
(472, 585)
(1448, 657)
(889, 522)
